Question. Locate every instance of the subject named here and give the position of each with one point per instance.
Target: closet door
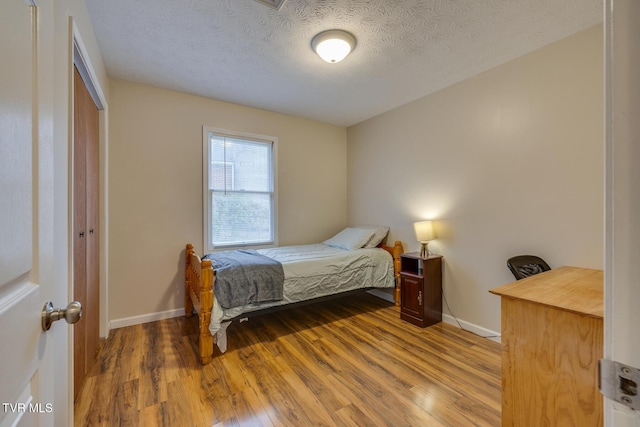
(85, 229)
(92, 212)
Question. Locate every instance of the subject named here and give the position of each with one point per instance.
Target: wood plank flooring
(346, 362)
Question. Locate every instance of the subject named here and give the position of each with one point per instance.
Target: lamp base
(424, 250)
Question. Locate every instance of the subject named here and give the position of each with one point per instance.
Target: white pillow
(379, 233)
(350, 238)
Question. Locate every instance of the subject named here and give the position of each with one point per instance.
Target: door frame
(622, 227)
(80, 58)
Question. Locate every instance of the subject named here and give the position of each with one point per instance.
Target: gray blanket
(245, 277)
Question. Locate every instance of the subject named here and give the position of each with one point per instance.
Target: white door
(622, 230)
(26, 220)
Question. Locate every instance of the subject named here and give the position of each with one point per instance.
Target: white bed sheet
(312, 271)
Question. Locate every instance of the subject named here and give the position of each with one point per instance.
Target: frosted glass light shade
(333, 45)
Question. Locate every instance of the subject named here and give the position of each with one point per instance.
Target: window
(239, 184)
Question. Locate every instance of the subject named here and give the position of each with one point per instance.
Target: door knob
(72, 313)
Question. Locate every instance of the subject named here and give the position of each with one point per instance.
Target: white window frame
(206, 194)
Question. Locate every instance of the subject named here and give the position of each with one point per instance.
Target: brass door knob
(72, 313)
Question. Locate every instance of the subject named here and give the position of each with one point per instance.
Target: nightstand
(421, 289)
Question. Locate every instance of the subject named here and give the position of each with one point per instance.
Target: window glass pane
(240, 165)
(240, 177)
(240, 218)
(220, 174)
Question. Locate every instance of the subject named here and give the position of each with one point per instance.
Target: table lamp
(424, 233)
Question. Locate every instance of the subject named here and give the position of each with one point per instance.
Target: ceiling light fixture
(274, 4)
(333, 45)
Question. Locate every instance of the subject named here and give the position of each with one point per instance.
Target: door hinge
(619, 382)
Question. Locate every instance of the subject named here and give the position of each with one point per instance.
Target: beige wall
(508, 162)
(155, 184)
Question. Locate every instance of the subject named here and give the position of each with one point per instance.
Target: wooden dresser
(552, 340)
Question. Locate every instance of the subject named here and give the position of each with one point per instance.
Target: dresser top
(576, 289)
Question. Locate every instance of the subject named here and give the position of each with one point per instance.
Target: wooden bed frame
(198, 294)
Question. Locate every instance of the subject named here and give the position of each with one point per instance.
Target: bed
(311, 273)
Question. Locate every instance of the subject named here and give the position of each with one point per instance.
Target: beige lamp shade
(424, 231)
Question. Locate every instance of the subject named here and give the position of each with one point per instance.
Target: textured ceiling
(244, 52)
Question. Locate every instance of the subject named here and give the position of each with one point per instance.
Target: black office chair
(526, 265)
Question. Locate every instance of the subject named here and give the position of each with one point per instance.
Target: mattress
(313, 271)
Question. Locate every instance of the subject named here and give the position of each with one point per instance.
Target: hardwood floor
(346, 362)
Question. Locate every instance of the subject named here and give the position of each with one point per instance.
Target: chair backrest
(526, 265)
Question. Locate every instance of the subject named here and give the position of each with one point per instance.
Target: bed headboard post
(206, 304)
(396, 250)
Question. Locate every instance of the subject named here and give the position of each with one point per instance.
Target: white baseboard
(467, 326)
(478, 330)
(152, 317)
(145, 318)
